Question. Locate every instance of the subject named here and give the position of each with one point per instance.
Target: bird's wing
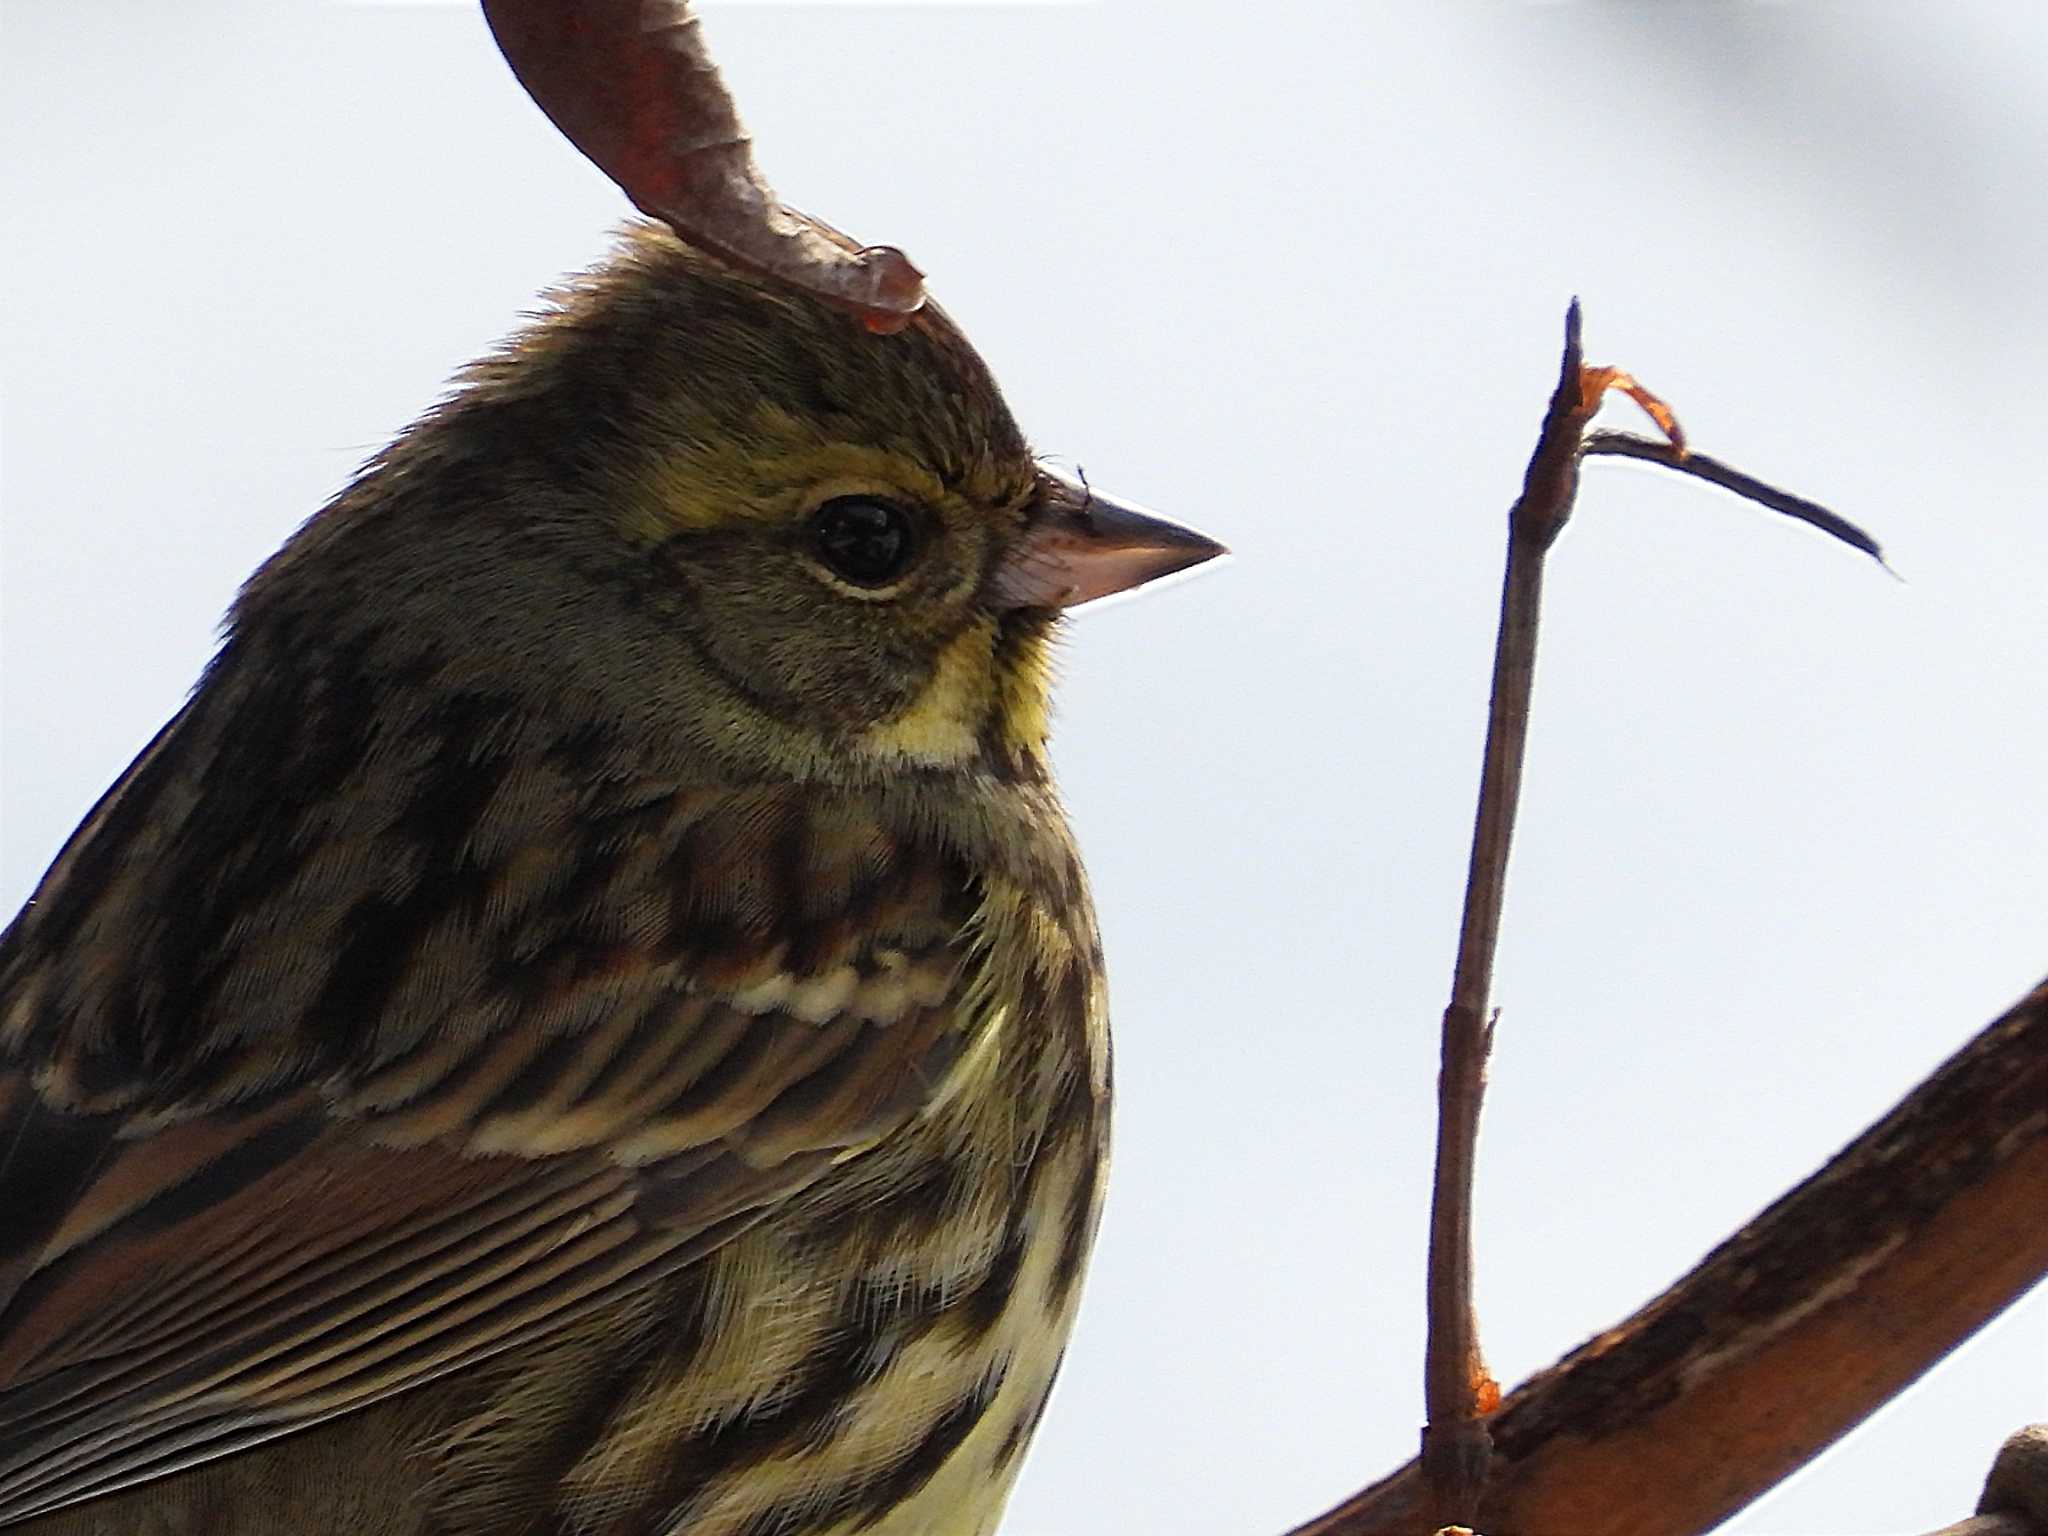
(299, 1109)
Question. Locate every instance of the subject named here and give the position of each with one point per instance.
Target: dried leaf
(632, 85)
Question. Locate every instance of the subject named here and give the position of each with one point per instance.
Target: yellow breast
(876, 1357)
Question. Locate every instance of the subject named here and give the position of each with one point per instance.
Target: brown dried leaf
(632, 85)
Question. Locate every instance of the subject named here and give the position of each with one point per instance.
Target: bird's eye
(868, 542)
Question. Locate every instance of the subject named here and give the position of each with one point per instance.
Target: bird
(590, 1020)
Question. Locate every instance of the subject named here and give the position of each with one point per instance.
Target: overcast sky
(1296, 274)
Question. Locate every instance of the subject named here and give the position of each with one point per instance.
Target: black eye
(868, 542)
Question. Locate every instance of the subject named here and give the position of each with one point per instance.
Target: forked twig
(1459, 1393)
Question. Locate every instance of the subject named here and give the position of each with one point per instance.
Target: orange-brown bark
(1790, 1333)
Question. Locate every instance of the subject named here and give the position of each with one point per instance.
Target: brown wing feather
(300, 1109)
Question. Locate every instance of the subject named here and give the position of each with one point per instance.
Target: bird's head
(690, 495)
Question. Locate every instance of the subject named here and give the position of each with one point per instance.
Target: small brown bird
(590, 1021)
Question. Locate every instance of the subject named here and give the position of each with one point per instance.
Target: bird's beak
(1082, 545)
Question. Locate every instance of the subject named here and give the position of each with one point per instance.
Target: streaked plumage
(588, 1022)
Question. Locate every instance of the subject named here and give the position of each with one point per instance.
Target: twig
(1458, 1391)
(631, 84)
(1628, 446)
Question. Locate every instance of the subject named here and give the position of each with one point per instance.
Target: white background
(1296, 274)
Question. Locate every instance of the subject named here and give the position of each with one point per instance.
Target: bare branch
(1789, 1334)
(1714, 472)
(1459, 1393)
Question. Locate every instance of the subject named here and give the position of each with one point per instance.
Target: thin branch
(1628, 446)
(1458, 1392)
(632, 85)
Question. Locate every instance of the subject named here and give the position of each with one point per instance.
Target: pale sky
(1297, 275)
